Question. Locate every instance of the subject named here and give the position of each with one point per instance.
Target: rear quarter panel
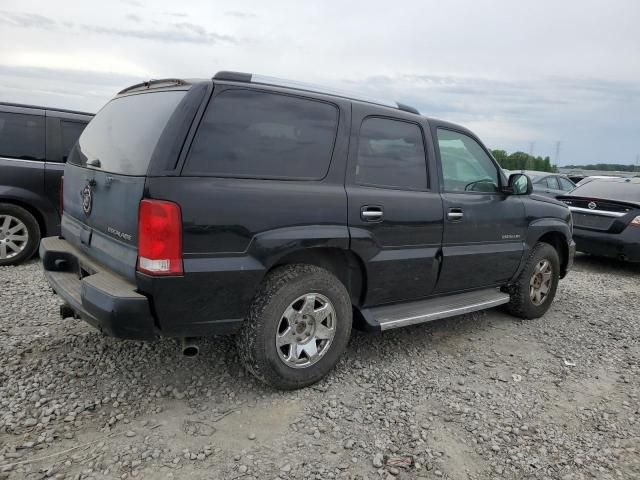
(235, 230)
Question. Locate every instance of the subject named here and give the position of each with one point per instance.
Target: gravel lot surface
(481, 396)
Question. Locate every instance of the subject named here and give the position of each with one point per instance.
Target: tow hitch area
(67, 312)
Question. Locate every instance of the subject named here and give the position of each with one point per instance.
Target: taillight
(61, 196)
(159, 238)
(635, 222)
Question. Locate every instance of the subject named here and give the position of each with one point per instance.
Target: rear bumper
(624, 245)
(100, 297)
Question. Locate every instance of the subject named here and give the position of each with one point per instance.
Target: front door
(395, 218)
(484, 229)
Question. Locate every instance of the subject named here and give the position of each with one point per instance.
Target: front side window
(466, 167)
(391, 154)
(22, 136)
(253, 134)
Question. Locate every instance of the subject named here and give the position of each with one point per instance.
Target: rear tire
(297, 328)
(19, 234)
(535, 288)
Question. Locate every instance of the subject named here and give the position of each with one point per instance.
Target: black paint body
(235, 230)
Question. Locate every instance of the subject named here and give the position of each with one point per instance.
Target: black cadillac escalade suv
(284, 214)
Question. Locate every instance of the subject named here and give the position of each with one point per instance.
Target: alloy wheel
(541, 282)
(14, 236)
(305, 331)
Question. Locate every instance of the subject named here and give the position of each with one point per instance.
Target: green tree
(522, 161)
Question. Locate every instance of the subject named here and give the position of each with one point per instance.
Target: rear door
(484, 229)
(104, 179)
(395, 216)
(22, 153)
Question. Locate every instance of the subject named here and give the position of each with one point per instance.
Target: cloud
(177, 32)
(237, 14)
(175, 14)
(27, 20)
(71, 76)
(60, 87)
(185, 32)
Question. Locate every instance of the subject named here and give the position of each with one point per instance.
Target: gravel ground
(481, 396)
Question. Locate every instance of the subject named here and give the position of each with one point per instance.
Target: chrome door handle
(371, 213)
(455, 214)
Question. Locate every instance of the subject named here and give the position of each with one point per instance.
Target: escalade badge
(592, 205)
(87, 199)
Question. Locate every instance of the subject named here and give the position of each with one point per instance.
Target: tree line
(608, 167)
(523, 161)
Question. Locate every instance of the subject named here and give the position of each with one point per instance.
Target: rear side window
(22, 136)
(552, 183)
(391, 154)
(565, 185)
(124, 134)
(70, 133)
(252, 134)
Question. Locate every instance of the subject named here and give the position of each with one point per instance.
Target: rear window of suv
(255, 134)
(124, 134)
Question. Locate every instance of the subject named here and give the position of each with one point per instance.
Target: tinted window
(466, 167)
(622, 190)
(22, 136)
(246, 133)
(552, 183)
(391, 154)
(70, 133)
(123, 135)
(565, 185)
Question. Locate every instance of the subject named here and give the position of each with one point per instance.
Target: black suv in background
(282, 213)
(34, 144)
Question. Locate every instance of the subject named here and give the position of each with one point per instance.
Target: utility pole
(558, 143)
(531, 145)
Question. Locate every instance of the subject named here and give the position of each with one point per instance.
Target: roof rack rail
(154, 83)
(308, 87)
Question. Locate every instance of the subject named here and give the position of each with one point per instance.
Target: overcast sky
(524, 75)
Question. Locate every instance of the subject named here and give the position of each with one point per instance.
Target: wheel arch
(559, 243)
(37, 214)
(342, 263)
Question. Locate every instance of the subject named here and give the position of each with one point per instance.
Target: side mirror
(519, 184)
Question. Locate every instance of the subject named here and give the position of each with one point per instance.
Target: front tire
(535, 288)
(19, 234)
(297, 328)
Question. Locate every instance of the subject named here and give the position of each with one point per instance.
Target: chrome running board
(401, 315)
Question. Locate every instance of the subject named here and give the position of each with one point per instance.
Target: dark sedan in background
(547, 183)
(606, 217)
